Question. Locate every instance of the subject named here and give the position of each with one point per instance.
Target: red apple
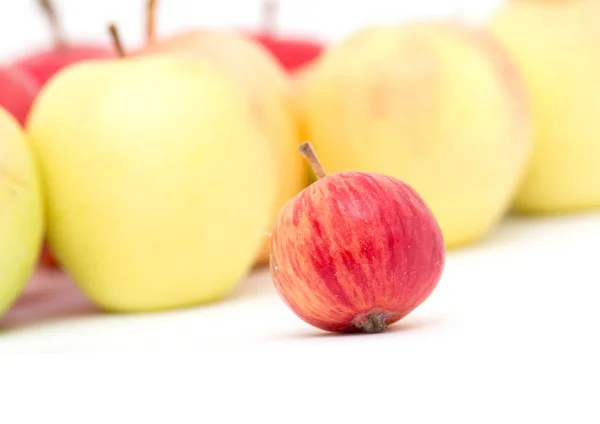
(355, 251)
(292, 53)
(43, 65)
(17, 92)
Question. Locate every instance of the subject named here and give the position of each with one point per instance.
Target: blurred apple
(21, 211)
(293, 53)
(42, 65)
(159, 182)
(38, 67)
(556, 44)
(437, 105)
(269, 90)
(17, 92)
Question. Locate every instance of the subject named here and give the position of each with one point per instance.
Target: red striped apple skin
(356, 251)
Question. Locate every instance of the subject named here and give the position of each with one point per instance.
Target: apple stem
(150, 20)
(311, 156)
(116, 38)
(55, 27)
(371, 323)
(269, 16)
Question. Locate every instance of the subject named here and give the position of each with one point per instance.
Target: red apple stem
(371, 323)
(269, 16)
(116, 39)
(311, 156)
(150, 20)
(55, 27)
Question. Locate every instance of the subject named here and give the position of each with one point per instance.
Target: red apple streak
(355, 251)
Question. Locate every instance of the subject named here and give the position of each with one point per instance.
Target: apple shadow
(50, 295)
(402, 326)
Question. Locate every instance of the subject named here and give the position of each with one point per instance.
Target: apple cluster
(160, 176)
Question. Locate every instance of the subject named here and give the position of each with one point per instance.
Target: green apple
(159, 183)
(21, 211)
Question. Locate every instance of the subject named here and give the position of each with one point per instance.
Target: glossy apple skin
(43, 65)
(17, 92)
(354, 246)
(292, 54)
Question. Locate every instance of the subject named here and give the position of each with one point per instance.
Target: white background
(509, 336)
(22, 27)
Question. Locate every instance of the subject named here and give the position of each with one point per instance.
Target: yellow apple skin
(159, 184)
(21, 211)
(438, 105)
(299, 79)
(270, 90)
(556, 44)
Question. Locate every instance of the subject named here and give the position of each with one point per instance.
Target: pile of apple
(160, 176)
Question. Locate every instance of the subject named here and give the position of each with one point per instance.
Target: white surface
(510, 334)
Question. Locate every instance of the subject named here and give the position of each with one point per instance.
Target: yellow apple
(21, 211)
(299, 79)
(556, 44)
(159, 183)
(438, 105)
(269, 87)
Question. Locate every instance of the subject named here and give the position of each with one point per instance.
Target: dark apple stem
(311, 156)
(371, 323)
(150, 20)
(269, 16)
(52, 16)
(116, 39)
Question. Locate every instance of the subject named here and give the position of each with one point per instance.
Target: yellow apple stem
(150, 20)
(269, 16)
(52, 16)
(311, 156)
(116, 38)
